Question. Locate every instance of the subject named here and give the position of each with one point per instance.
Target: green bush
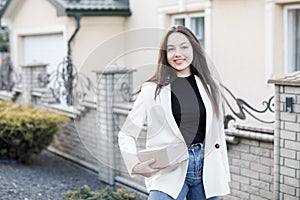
(85, 193)
(25, 130)
(125, 194)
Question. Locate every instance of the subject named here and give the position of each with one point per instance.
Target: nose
(177, 54)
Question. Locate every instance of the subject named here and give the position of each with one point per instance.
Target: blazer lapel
(207, 104)
(165, 102)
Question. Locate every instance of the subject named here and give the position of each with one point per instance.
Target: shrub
(25, 130)
(85, 193)
(125, 194)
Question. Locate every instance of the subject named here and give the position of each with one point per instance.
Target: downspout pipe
(70, 75)
(77, 18)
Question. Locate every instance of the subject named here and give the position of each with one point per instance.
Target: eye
(171, 49)
(185, 47)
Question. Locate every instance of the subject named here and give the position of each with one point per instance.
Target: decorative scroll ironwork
(43, 80)
(244, 107)
(125, 91)
(67, 84)
(8, 77)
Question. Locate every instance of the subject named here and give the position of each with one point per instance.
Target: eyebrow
(180, 44)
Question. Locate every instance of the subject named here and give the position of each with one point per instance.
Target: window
(179, 21)
(292, 39)
(193, 21)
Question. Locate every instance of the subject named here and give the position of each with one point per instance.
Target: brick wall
(30, 80)
(114, 85)
(78, 140)
(136, 183)
(287, 138)
(251, 164)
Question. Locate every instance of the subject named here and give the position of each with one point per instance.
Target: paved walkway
(46, 177)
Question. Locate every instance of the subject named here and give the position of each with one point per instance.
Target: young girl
(181, 104)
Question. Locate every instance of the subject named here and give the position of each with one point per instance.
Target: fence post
(30, 79)
(111, 84)
(287, 137)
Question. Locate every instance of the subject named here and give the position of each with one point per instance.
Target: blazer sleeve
(130, 131)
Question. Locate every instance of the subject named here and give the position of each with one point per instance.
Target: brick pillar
(109, 91)
(30, 79)
(287, 137)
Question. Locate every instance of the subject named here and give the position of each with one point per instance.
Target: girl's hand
(145, 169)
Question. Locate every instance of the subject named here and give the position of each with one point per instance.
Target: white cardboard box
(165, 156)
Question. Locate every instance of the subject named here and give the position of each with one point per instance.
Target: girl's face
(179, 53)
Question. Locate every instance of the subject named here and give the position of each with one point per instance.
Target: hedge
(26, 130)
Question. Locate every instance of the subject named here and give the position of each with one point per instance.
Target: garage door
(44, 48)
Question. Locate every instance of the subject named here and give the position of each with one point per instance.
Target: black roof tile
(87, 7)
(95, 4)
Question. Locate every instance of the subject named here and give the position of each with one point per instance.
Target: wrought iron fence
(245, 108)
(127, 95)
(67, 84)
(8, 76)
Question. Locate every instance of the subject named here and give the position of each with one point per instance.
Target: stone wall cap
(70, 111)
(255, 127)
(35, 63)
(292, 79)
(114, 69)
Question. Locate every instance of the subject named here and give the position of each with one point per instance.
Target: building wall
(28, 20)
(159, 18)
(237, 37)
(145, 16)
(98, 44)
(278, 40)
(36, 17)
(238, 46)
(245, 36)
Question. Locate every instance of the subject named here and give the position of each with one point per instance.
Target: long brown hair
(165, 74)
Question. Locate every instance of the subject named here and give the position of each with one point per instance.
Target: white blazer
(162, 131)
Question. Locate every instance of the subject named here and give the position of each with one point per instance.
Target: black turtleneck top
(188, 109)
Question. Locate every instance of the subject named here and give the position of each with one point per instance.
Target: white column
(269, 66)
(207, 28)
(109, 91)
(162, 23)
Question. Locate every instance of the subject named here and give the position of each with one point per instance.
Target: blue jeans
(193, 185)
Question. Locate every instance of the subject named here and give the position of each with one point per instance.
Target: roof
(3, 6)
(92, 7)
(94, 4)
(2, 3)
(84, 7)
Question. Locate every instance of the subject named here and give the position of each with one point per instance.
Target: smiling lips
(179, 61)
